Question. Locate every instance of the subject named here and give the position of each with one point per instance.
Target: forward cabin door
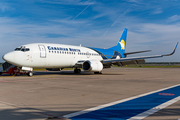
(42, 51)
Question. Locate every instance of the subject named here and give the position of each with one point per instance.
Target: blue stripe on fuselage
(107, 53)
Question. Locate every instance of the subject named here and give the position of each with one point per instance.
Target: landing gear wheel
(77, 70)
(30, 74)
(97, 72)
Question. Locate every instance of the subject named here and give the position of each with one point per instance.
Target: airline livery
(59, 56)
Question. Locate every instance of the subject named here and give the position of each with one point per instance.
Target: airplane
(59, 56)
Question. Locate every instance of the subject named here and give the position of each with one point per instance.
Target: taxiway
(49, 94)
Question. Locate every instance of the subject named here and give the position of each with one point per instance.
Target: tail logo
(122, 43)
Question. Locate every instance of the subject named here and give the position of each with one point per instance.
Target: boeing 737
(59, 56)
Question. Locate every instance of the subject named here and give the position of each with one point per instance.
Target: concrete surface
(50, 94)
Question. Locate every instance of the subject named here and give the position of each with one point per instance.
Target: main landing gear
(97, 72)
(30, 74)
(77, 70)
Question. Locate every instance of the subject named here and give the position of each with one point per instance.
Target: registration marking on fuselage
(134, 108)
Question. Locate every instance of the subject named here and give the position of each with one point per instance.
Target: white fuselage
(44, 55)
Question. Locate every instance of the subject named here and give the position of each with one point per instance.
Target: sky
(152, 24)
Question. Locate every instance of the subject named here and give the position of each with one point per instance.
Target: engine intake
(93, 66)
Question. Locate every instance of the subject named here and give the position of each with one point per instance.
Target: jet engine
(93, 66)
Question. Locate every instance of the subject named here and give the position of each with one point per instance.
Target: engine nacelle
(93, 66)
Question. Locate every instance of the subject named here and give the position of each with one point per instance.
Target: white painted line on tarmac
(117, 102)
(153, 110)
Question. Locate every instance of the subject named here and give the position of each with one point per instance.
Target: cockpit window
(22, 48)
(17, 49)
(25, 49)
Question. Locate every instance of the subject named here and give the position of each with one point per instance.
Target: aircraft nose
(9, 57)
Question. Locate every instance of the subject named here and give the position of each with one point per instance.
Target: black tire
(77, 70)
(30, 74)
(0, 73)
(97, 72)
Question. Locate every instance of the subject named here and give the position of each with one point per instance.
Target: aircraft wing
(136, 52)
(134, 59)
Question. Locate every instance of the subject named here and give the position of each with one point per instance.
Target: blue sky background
(151, 24)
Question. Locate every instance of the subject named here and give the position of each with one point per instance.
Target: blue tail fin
(121, 45)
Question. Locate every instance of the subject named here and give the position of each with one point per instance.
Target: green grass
(39, 69)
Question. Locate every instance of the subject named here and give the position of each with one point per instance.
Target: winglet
(173, 50)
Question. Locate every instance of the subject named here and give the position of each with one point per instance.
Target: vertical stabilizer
(121, 45)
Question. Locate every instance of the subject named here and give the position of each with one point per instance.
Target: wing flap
(136, 52)
(107, 61)
(129, 62)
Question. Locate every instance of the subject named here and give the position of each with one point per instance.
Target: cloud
(69, 21)
(160, 38)
(101, 27)
(174, 18)
(135, 1)
(81, 12)
(157, 11)
(69, 2)
(5, 7)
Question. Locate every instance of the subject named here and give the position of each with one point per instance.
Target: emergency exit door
(42, 51)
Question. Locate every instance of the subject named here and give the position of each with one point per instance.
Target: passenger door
(42, 51)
